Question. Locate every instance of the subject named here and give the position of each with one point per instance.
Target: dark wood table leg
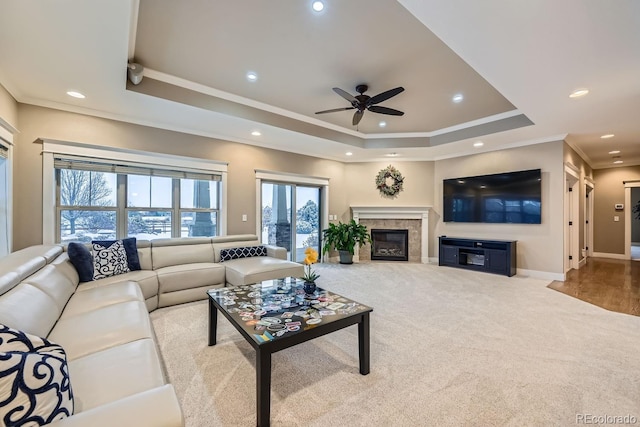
(363, 343)
(213, 322)
(263, 387)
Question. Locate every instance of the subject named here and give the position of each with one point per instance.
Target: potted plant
(344, 237)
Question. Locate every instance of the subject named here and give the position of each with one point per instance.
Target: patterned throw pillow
(34, 380)
(130, 247)
(109, 260)
(245, 252)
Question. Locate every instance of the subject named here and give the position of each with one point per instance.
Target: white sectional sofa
(114, 368)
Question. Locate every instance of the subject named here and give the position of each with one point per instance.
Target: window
(103, 200)
(5, 183)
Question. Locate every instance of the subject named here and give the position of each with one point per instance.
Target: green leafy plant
(344, 237)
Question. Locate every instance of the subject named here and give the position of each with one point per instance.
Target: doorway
(634, 212)
(291, 217)
(571, 215)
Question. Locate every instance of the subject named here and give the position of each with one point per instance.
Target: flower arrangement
(389, 189)
(311, 257)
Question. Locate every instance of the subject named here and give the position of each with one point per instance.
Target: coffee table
(278, 314)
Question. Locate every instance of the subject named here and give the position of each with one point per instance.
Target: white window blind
(89, 164)
(4, 151)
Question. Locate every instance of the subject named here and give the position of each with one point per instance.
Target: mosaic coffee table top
(275, 309)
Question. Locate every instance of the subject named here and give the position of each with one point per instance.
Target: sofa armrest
(276, 251)
(157, 407)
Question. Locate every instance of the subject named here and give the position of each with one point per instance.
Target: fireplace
(390, 245)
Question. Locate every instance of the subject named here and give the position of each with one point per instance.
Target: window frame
(55, 149)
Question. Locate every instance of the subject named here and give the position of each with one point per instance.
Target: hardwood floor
(608, 283)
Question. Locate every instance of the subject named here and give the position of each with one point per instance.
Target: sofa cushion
(102, 296)
(179, 251)
(242, 252)
(109, 259)
(115, 373)
(146, 279)
(34, 380)
(82, 260)
(29, 309)
(187, 276)
(102, 328)
(245, 271)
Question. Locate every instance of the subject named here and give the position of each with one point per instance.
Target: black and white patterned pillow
(34, 380)
(245, 252)
(109, 260)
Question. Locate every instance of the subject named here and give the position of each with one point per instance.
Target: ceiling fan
(364, 102)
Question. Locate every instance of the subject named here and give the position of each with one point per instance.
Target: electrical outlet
(616, 218)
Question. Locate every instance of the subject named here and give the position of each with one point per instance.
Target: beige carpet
(448, 347)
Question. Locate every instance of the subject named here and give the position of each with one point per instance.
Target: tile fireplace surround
(420, 213)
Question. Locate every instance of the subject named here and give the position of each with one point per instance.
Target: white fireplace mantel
(397, 212)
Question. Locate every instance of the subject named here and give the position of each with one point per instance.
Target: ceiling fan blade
(346, 95)
(335, 110)
(384, 96)
(357, 117)
(384, 110)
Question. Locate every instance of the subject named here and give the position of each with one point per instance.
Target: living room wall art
(389, 181)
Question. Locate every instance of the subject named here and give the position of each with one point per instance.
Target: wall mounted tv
(512, 197)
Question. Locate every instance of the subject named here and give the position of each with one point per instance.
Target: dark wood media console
(491, 256)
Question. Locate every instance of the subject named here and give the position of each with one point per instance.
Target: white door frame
(589, 187)
(628, 185)
(571, 215)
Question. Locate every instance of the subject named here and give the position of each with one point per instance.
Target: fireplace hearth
(390, 245)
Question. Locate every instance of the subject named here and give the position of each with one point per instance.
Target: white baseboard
(582, 262)
(607, 255)
(536, 274)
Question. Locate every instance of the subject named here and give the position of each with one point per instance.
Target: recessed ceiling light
(617, 162)
(348, 153)
(392, 155)
(317, 6)
(458, 97)
(614, 152)
(76, 94)
(607, 136)
(382, 124)
(256, 133)
(251, 76)
(483, 186)
(578, 93)
(478, 144)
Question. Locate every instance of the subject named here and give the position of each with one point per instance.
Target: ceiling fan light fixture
(317, 6)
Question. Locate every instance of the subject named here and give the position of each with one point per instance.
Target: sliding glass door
(294, 229)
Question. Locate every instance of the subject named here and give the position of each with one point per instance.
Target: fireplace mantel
(397, 212)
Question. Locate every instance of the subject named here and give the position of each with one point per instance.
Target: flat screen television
(512, 197)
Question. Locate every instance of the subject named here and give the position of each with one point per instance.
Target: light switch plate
(244, 217)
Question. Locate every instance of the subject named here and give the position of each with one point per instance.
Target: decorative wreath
(383, 184)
